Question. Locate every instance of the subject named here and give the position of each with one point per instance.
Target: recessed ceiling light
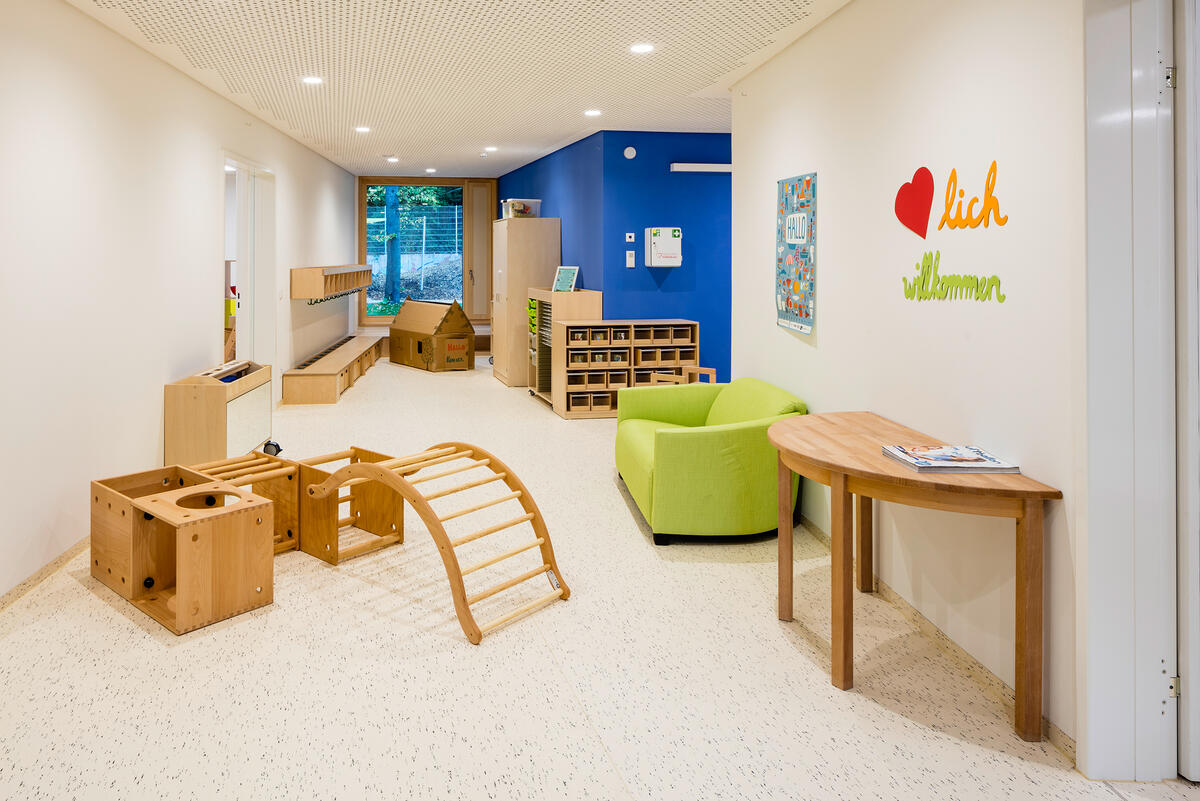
(392, 159)
(641, 47)
(592, 112)
(313, 80)
(490, 148)
(362, 129)
(230, 168)
(431, 169)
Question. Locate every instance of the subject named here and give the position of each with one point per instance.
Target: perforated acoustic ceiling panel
(439, 80)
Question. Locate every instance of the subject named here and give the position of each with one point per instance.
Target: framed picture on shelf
(564, 279)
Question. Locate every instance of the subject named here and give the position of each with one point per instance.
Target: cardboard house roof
(423, 317)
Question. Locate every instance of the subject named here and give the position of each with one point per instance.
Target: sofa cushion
(750, 399)
(635, 458)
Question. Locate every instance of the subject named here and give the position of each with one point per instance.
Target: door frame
(416, 180)
(1126, 555)
(1187, 385)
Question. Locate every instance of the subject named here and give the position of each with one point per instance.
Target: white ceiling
(438, 80)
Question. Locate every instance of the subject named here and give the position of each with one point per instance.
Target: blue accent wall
(600, 196)
(641, 193)
(568, 183)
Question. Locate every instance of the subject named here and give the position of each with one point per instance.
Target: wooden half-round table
(844, 450)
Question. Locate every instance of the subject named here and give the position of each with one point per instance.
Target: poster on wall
(796, 253)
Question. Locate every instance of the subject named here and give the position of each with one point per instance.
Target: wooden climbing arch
(453, 458)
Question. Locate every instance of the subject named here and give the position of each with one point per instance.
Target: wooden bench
(324, 377)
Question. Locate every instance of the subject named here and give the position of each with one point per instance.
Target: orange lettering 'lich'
(991, 206)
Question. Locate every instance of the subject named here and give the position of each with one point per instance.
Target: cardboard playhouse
(432, 336)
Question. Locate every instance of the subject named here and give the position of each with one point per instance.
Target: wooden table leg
(785, 541)
(1028, 718)
(841, 553)
(864, 532)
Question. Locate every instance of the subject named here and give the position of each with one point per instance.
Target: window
(421, 241)
(414, 245)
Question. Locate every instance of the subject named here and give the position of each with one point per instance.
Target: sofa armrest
(716, 479)
(681, 404)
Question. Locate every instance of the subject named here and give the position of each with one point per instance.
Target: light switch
(630, 238)
(631, 259)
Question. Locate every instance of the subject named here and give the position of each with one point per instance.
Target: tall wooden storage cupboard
(525, 253)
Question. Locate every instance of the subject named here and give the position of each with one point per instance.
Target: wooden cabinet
(525, 254)
(591, 360)
(546, 309)
(222, 412)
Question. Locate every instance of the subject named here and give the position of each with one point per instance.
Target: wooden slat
(344, 499)
(404, 468)
(479, 506)
(200, 468)
(451, 472)
(242, 469)
(516, 521)
(463, 487)
(400, 461)
(504, 585)
(279, 472)
(345, 521)
(502, 557)
(329, 457)
(520, 610)
(373, 544)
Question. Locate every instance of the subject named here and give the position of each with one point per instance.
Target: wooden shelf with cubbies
(319, 283)
(592, 360)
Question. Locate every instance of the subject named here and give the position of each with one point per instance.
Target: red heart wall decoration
(914, 201)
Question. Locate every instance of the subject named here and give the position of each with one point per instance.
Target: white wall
(111, 227)
(876, 91)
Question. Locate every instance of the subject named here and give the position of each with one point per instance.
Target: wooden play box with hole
(186, 550)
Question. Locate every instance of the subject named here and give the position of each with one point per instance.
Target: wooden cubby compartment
(618, 358)
(603, 402)
(643, 335)
(599, 337)
(599, 358)
(661, 335)
(641, 378)
(681, 335)
(578, 402)
(647, 357)
(620, 335)
(618, 379)
(687, 357)
(576, 380)
(317, 283)
(668, 356)
(577, 337)
(578, 360)
(597, 380)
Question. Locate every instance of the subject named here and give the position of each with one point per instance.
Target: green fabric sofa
(696, 459)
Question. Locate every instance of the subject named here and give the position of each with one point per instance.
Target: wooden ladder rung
(502, 557)
(462, 487)
(479, 506)
(520, 610)
(403, 461)
(367, 546)
(253, 466)
(254, 478)
(451, 472)
(404, 468)
(346, 521)
(207, 466)
(344, 499)
(516, 521)
(504, 585)
(329, 457)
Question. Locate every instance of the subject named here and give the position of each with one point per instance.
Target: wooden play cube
(113, 521)
(201, 554)
(374, 509)
(269, 477)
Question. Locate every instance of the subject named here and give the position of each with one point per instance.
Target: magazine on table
(948, 459)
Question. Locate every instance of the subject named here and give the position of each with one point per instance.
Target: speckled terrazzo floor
(666, 676)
